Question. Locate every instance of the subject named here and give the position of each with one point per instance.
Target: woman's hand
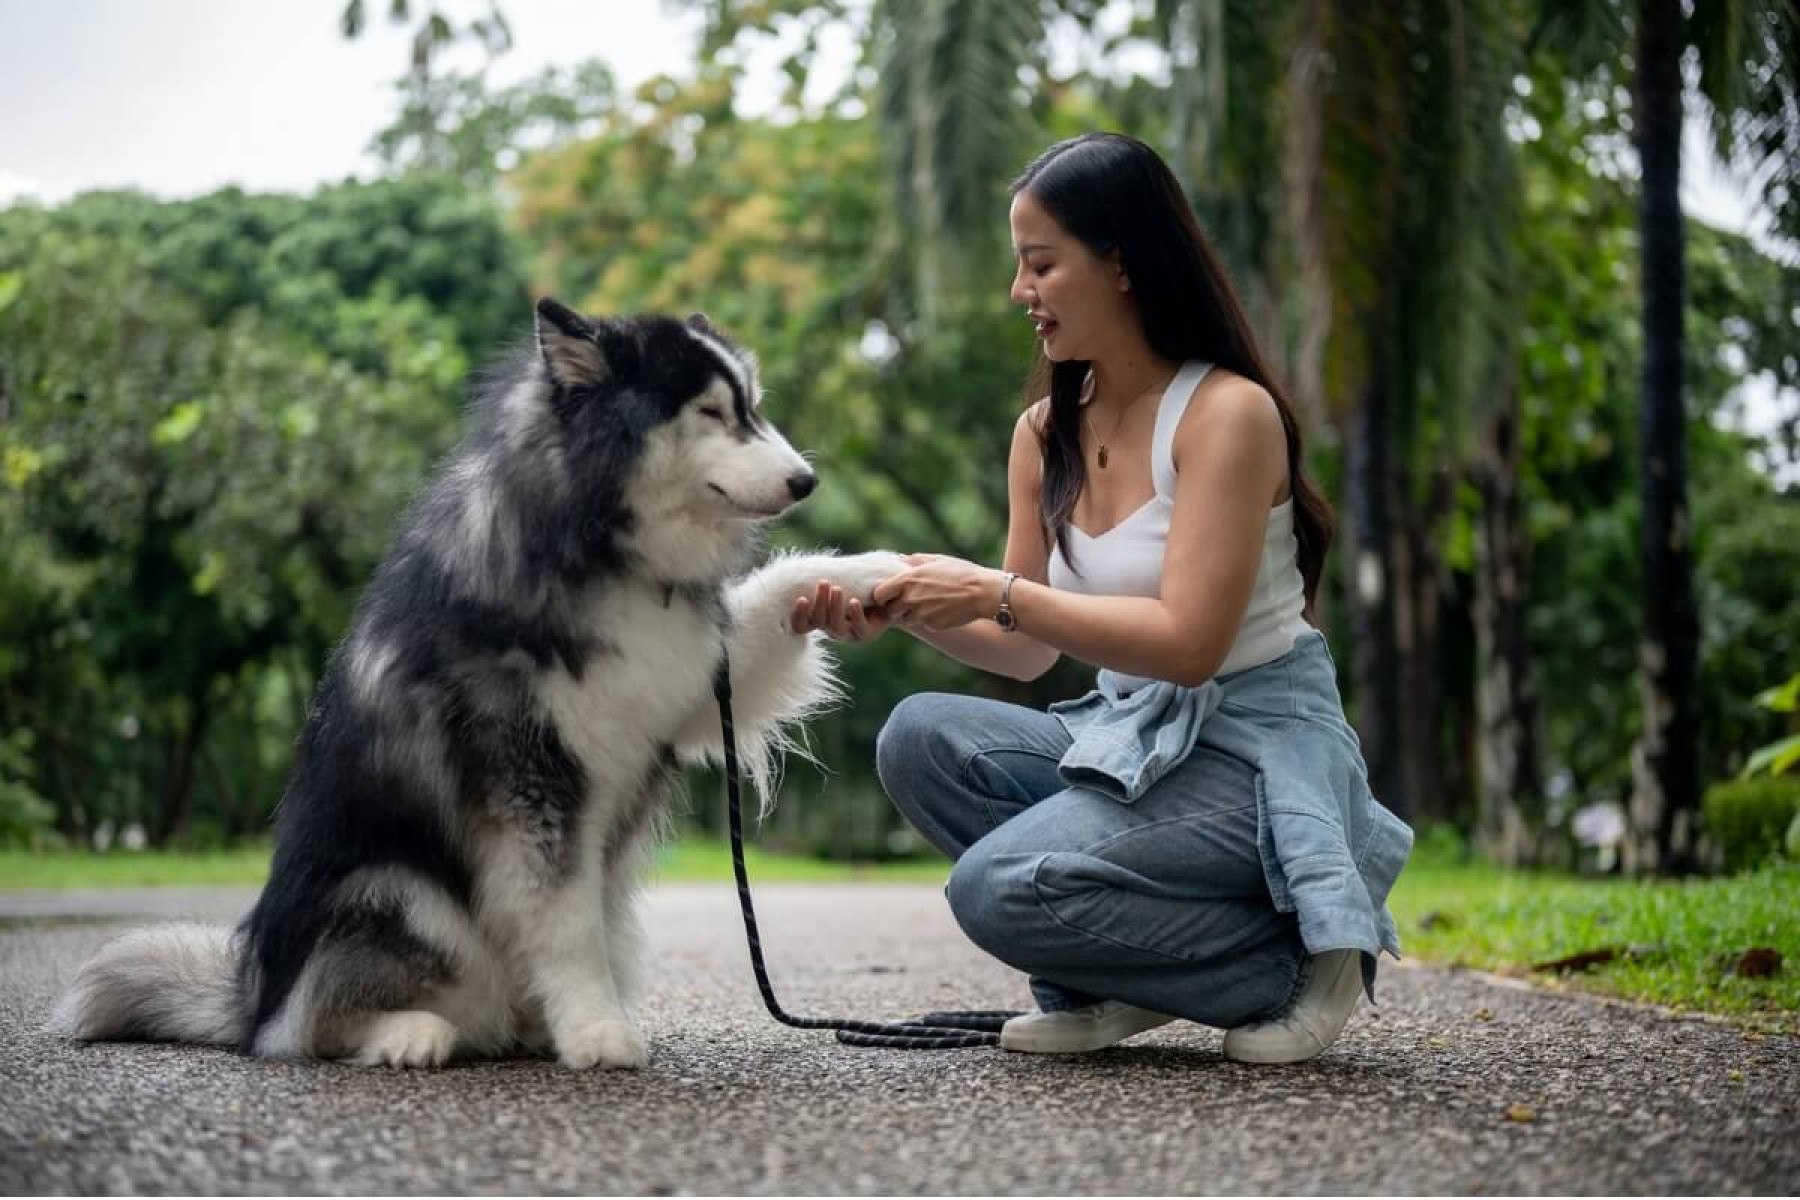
(846, 620)
(940, 592)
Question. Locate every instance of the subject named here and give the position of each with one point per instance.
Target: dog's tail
(175, 982)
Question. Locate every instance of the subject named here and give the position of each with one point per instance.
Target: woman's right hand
(847, 620)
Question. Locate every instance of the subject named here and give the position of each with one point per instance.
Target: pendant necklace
(1100, 457)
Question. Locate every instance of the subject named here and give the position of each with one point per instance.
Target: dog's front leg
(778, 676)
(570, 942)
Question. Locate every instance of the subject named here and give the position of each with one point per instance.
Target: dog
(490, 753)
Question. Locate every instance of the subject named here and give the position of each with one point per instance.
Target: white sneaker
(1077, 1030)
(1312, 1022)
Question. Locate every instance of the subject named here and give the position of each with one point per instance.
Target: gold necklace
(1100, 456)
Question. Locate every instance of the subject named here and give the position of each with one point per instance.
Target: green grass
(1683, 935)
(682, 862)
(1680, 937)
(119, 869)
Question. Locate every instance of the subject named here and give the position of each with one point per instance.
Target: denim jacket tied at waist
(1329, 850)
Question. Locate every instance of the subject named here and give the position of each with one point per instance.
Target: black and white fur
(490, 751)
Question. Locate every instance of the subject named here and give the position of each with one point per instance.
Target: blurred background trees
(1492, 316)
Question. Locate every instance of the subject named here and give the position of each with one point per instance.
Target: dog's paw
(609, 1045)
(406, 1039)
(858, 574)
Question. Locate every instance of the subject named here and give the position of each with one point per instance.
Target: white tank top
(1127, 560)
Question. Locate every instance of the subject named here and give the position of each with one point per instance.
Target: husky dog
(490, 750)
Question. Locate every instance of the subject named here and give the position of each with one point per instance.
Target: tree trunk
(1375, 658)
(233, 821)
(1665, 802)
(1510, 783)
(1418, 610)
(177, 809)
(1303, 188)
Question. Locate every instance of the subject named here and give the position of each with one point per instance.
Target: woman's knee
(909, 750)
(991, 897)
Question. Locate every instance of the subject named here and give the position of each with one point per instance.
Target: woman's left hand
(940, 592)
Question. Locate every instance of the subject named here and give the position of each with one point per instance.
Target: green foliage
(1781, 756)
(213, 411)
(1578, 392)
(298, 259)
(26, 818)
(1749, 818)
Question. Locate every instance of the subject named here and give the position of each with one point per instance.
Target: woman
(1195, 838)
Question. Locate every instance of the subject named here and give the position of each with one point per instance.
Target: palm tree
(1410, 209)
(954, 102)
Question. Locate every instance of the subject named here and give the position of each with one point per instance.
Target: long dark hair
(1113, 192)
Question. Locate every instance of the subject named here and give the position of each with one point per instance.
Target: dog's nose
(801, 485)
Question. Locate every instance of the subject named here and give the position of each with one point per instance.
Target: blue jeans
(1161, 903)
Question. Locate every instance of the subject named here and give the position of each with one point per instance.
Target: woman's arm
(1231, 461)
(976, 640)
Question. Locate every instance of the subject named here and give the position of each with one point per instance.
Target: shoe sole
(1046, 1041)
(1268, 1056)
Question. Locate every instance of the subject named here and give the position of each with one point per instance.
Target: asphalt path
(1456, 1083)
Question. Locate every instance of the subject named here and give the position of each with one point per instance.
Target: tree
(213, 409)
(1747, 76)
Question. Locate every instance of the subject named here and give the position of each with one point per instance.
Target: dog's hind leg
(414, 1038)
(402, 978)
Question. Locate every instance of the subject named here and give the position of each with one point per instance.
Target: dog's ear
(566, 340)
(582, 353)
(699, 324)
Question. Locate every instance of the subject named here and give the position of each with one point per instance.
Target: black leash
(933, 1031)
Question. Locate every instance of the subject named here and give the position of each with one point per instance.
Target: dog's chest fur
(659, 650)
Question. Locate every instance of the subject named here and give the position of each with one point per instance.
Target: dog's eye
(716, 414)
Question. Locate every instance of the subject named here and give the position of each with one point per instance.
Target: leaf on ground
(1760, 962)
(1582, 961)
(1597, 956)
(1523, 1114)
(1484, 1014)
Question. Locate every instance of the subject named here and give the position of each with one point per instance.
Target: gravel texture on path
(1456, 1083)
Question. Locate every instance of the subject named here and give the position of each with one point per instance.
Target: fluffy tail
(173, 982)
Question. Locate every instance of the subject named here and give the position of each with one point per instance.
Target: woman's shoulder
(1230, 422)
(1223, 386)
(1226, 404)
(1035, 419)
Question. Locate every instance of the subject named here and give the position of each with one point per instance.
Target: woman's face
(1076, 299)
